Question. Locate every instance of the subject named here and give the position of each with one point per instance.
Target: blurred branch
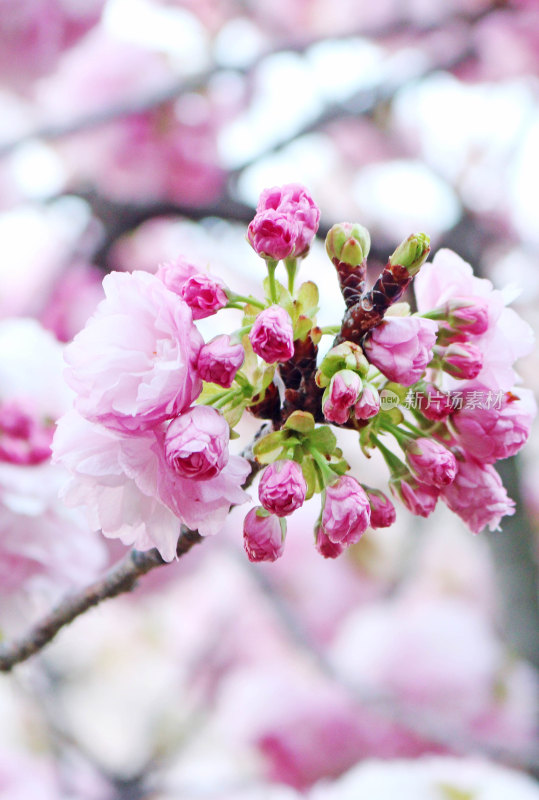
(423, 724)
(121, 578)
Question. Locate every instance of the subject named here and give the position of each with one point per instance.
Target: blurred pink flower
(73, 300)
(401, 347)
(134, 364)
(174, 274)
(419, 498)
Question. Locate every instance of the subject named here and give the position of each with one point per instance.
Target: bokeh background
(135, 131)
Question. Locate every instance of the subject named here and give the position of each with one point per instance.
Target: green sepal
(323, 439)
(310, 474)
(274, 446)
(307, 299)
(394, 416)
(302, 328)
(300, 421)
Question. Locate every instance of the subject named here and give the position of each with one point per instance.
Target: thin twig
(121, 578)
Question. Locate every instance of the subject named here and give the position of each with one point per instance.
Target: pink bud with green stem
(461, 317)
(282, 488)
(383, 513)
(462, 360)
(419, 498)
(346, 513)
(428, 460)
(324, 545)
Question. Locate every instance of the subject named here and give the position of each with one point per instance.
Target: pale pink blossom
(263, 536)
(368, 403)
(204, 295)
(462, 360)
(293, 200)
(401, 347)
(175, 273)
(419, 498)
(272, 234)
(430, 462)
(272, 335)
(196, 443)
(219, 361)
(383, 513)
(341, 395)
(507, 337)
(492, 431)
(346, 514)
(282, 488)
(478, 496)
(131, 493)
(134, 364)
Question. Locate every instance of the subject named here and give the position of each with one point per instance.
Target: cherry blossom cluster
(147, 443)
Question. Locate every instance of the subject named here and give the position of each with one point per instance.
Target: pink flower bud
(295, 202)
(490, 432)
(434, 404)
(419, 498)
(282, 488)
(467, 316)
(272, 234)
(204, 295)
(325, 546)
(175, 273)
(401, 347)
(368, 404)
(431, 462)
(477, 496)
(341, 395)
(462, 360)
(383, 513)
(263, 536)
(196, 443)
(218, 361)
(272, 335)
(347, 512)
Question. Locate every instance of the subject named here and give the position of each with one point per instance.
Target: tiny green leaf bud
(412, 253)
(348, 243)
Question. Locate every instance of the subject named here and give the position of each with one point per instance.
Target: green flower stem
(417, 430)
(272, 265)
(234, 305)
(242, 331)
(327, 474)
(331, 330)
(402, 437)
(240, 298)
(231, 394)
(242, 381)
(396, 466)
(436, 314)
(291, 265)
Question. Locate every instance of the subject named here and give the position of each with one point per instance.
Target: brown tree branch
(121, 578)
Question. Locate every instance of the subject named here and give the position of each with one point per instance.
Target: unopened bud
(348, 243)
(412, 253)
(346, 355)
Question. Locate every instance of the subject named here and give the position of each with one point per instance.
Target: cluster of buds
(389, 375)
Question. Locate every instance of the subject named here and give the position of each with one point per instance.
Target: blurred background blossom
(135, 131)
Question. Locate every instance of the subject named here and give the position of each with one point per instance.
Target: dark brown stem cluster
(352, 281)
(301, 392)
(370, 309)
